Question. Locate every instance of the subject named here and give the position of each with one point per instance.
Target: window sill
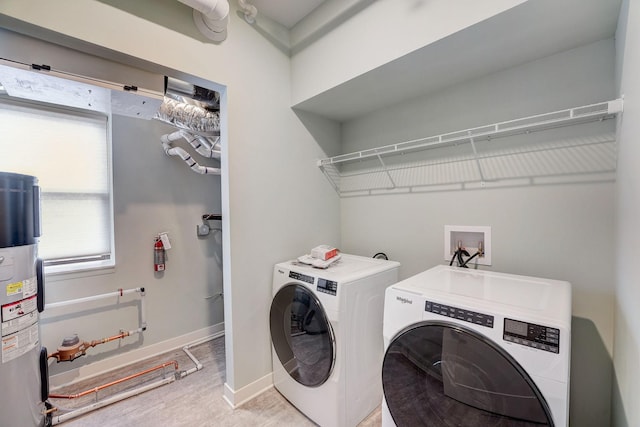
(58, 273)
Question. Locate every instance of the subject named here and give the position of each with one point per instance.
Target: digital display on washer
(300, 276)
(460, 314)
(327, 286)
(515, 327)
(532, 335)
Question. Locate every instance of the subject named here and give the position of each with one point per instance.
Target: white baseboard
(102, 366)
(248, 392)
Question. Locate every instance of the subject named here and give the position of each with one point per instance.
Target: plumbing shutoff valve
(72, 348)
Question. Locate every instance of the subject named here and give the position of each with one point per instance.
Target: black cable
(455, 254)
(381, 255)
(470, 258)
(461, 262)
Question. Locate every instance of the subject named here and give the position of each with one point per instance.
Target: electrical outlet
(470, 238)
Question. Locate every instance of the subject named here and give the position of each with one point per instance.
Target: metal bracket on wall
(204, 229)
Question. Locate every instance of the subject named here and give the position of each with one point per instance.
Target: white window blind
(69, 152)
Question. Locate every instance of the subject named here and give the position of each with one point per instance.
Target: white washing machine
(326, 333)
(466, 347)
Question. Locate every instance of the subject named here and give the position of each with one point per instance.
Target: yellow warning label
(14, 288)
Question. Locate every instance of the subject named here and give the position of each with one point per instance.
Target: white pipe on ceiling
(211, 17)
(249, 10)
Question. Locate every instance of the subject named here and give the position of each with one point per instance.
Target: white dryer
(476, 348)
(326, 333)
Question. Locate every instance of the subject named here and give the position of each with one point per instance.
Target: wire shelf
(472, 156)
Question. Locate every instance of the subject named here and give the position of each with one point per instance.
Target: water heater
(24, 385)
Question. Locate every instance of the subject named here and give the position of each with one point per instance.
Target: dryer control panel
(327, 286)
(532, 335)
(481, 319)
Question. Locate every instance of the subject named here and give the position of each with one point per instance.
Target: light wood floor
(194, 401)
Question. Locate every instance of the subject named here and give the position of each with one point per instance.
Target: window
(69, 151)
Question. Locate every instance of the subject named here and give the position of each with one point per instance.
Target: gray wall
(626, 391)
(152, 193)
(275, 202)
(561, 231)
(553, 228)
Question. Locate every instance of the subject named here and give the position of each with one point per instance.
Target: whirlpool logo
(404, 300)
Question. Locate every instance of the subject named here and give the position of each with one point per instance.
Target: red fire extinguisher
(158, 255)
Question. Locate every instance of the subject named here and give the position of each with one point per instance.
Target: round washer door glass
(302, 336)
(441, 374)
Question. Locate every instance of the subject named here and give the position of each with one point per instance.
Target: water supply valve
(72, 348)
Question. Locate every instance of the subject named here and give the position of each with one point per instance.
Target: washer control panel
(327, 286)
(532, 335)
(460, 314)
(302, 277)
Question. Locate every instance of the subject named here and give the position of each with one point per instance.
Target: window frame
(86, 263)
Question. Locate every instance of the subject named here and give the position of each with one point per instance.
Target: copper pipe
(106, 340)
(101, 387)
(50, 410)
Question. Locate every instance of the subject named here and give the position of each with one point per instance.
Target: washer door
(302, 336)
(444, 374)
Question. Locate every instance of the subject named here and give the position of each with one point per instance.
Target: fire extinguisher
(158, 255)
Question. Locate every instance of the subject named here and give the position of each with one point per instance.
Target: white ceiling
(286, 12)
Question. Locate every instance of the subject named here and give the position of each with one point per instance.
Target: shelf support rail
(477, 159)
(333, 178)
(384, 168)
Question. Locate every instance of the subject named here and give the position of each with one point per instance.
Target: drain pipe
(198, 366)
(211, 17)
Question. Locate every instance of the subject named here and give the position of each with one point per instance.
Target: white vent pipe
(180, 152)
(211, 17)
(249, 10)
(201, 144)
